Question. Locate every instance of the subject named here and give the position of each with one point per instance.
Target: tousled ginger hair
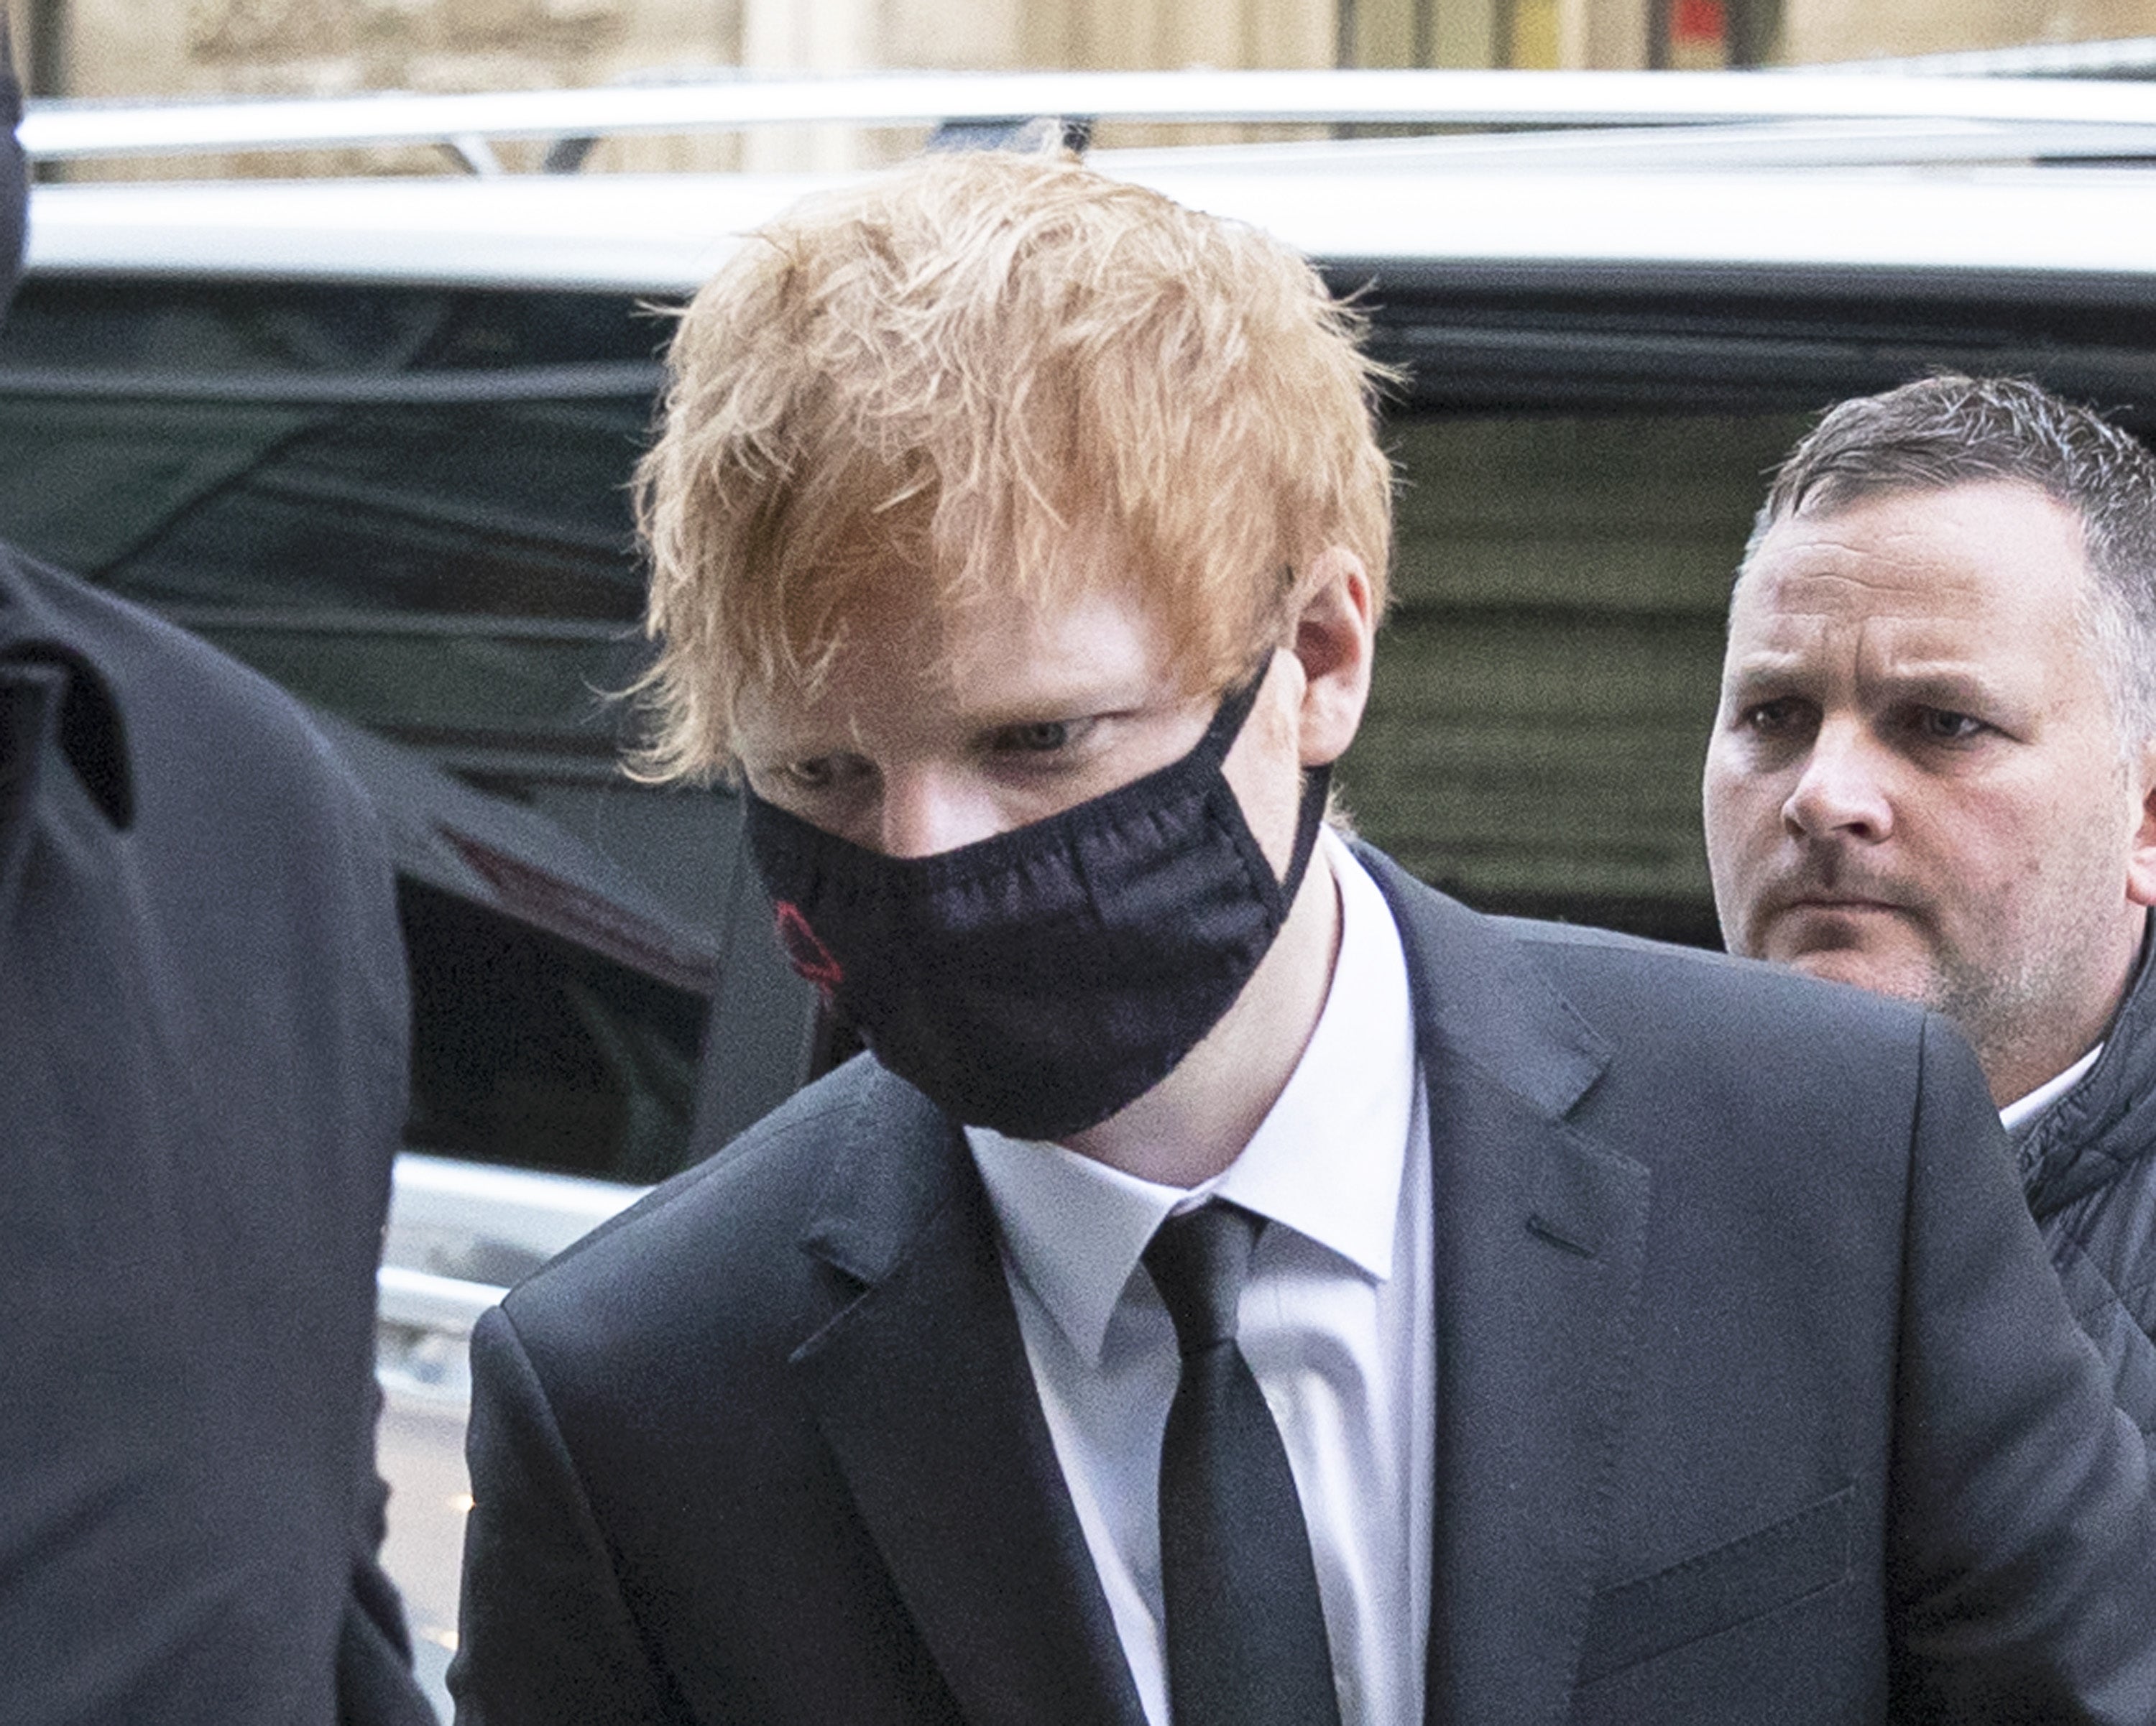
(944, 375)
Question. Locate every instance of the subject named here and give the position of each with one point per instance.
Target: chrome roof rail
(2130, 57)
(470, 125)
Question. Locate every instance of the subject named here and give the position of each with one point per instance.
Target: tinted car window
(1581, 451)
(1546, 682)
(532, 1051)
(407, 505)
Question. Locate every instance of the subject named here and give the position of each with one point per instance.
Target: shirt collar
(1326, 1161)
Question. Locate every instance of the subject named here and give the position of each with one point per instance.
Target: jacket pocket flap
(1714, 1590)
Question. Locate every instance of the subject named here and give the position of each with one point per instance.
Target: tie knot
(1198, 1262)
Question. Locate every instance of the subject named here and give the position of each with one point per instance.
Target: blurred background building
(136, 48)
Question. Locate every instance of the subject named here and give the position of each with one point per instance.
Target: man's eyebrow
(1937, 682)
(764, 751)
(1049, 706)
(1954, 686)
(1076, 699)
(1763, 669)
(1942, 686)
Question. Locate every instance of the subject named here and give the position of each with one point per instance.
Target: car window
(406, 504)
(533, 1051)
(1545, 683)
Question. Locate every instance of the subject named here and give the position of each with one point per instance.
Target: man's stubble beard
(2005, 1012)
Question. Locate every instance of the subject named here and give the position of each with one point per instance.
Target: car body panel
(665, 235)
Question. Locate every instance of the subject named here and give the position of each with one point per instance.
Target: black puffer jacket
(2088, 1165)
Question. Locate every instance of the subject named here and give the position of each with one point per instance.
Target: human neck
(2032, 1103)
(2012, 1074)
(2014, 1068)
(1194, 1122)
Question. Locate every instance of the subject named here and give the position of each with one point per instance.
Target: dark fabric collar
(1478, 1001)
(32, 697)
(903, 1162)
(85, 721)
(2107, 1123)
(56, 706)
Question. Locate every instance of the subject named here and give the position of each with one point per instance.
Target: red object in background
(1698, 23)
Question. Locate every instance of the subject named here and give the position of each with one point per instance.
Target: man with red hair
(1238, 1284)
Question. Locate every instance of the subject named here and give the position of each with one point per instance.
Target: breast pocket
(1715, 1591)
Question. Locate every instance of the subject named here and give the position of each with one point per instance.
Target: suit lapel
(921, 1389)
(1539, 1242)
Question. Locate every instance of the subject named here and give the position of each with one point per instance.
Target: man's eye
(1774, 719)
(1039, 737)
(1943, 724)
(814, 774)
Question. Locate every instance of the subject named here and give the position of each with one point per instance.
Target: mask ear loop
(1309, 823)
(1229, 717)
(1220, 737)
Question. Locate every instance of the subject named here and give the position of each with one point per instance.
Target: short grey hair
(1952, 430)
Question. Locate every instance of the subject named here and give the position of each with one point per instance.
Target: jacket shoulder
(1692, 982)
(132, 648)
(737, 1212)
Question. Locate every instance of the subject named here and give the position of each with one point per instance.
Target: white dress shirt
(1335, 1321)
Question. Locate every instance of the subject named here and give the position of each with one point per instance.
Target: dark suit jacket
(202, 1047)
(1755, 1400)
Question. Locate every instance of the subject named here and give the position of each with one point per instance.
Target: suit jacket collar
(1541, 1232)
(1479, 1000)
(921, 1389)
(899, 1164)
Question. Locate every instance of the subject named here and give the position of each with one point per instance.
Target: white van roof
(1346, 204)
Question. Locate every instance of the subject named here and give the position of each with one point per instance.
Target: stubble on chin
(1906, 976)
(1984, 1007)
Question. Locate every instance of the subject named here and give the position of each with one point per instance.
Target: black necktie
(1246, 1634)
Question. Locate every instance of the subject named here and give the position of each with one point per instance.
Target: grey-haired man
(1932, 774)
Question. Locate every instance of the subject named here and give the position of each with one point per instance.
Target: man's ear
(2141, 859)
(1335, 631)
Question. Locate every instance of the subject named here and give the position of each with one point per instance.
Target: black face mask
(1037, 981)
